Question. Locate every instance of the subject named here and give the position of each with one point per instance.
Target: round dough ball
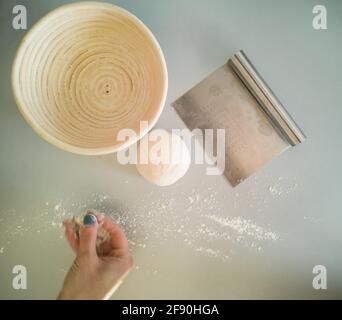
(163, 158)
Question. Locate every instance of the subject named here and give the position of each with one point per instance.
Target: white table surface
(198, 238)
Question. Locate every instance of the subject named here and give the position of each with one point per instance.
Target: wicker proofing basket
(85, 71)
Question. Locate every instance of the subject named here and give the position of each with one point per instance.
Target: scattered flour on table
(282, 187)
(245, 227)
(194, 218)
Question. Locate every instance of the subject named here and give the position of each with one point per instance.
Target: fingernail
(89, 220)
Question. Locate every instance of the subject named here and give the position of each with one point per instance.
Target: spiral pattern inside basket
(86, 71)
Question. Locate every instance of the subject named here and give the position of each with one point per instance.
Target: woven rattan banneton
(86, 71)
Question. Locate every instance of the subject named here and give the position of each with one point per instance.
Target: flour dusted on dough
(102, 234)
(167, 157)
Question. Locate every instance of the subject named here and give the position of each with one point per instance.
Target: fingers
(118, 239)
(85, 243)
(100, 217)
(88, 236)
(70, 235)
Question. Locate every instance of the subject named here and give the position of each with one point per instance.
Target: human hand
(95, 274)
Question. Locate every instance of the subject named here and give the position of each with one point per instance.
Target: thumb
(88, 236)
